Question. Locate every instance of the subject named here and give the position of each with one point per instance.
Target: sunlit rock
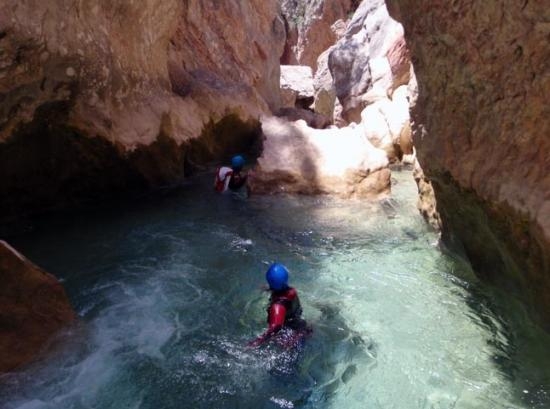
(300, 159)
(323, 85)
(296, 85)
(376, 128)
(367, 63)
(386, 124)
(400, 62)
(312, 119)
(120, 80)
(33, 308)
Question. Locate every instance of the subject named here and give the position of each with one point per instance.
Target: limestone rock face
(481, 126)
(312, 119)
(323, 85)
(33, 307)
(300, 159)
(314, 26)
(369, 62)
(296, 85)
(386, 124)
(100, 81)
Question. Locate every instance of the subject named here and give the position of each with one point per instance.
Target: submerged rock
(33, 306)
(300, 159)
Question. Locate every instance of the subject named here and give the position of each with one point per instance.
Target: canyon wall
(313, 26)
(481, 125)
(99, 97)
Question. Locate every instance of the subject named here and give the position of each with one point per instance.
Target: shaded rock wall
(33, 307)
(481, 129)
(115, 90)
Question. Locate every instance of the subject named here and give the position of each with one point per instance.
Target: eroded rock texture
(296, 86)
(313, 26)
(33, 307)
(370, 61)
(104, 96)
(481, 128)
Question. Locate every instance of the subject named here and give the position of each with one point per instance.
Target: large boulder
(111, 93)
(33, 307)
(296, 86)
(300, 159)
(387, 126)
(323, 85)
(368, 62)
(481, 122)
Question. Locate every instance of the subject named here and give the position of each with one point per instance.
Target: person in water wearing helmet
(284, 310)
(231, 178)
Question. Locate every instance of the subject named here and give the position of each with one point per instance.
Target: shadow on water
(514, 341)
(311, 374)
(334, 354)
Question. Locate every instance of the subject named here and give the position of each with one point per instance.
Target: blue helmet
(277, 277)
(237, 162)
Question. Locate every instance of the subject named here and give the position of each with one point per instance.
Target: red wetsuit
(229, 179)
(284, 311)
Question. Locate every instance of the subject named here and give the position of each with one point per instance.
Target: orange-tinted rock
(481, 127)
(102, 97)
(312, 119)
(125, 69)
(400, 62)
(33, 307)
(314, 26)
(426, 197)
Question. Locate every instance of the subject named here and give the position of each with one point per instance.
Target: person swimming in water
(231, 178)
(284, 313)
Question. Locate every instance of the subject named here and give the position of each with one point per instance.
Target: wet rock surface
(34, 307)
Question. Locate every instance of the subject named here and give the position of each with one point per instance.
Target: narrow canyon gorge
(115, 115)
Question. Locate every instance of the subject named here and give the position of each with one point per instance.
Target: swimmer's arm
(277, 314)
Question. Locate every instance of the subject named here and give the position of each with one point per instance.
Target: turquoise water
(168, 293)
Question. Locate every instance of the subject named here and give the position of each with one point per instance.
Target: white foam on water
(171, 296)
